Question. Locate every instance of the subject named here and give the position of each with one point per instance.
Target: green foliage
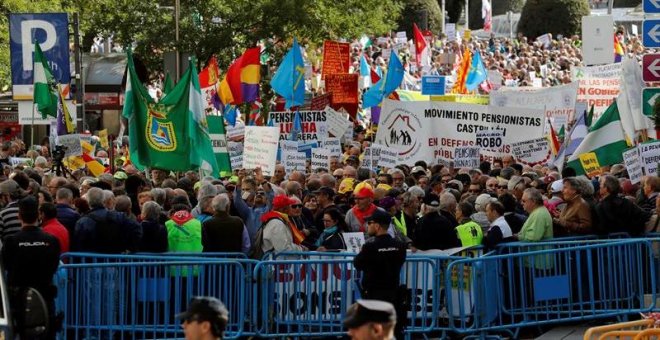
(415, 11)
(557, 17)
(627, 3)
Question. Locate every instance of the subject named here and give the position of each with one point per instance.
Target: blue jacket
(87, 237)
(251, 215)
(68, 217)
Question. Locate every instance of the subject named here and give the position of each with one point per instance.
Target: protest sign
(650, 152)
(320, 102)
(371, 156)
(294, 161)
(466, 157)
(354, 241)
(590, 164)
(307, 147)
(556, 100)
(103, 139)
(336, 58)
(260, 149)
(388, 158)
(599, 93)
(633, 164)
(236, 132)
(72, 145)
(545, 40)
(532, 152)
(343, 88)
(14, 161)
(336, 122)
(600, 71)
(495, 78)
(288, 146)
(430, 131)
(310, 123)
(450, 30)
(320, 159)
(490, 140)
(235, 154)
(332, 144)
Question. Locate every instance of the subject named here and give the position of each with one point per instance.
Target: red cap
(364, 192)
(281, 201)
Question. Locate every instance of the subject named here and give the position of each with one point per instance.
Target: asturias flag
(477, 73)
(387, 85)
(289, 80)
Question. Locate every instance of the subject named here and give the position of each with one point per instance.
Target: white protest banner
(354, 241)
(532, 152)
(287, 146)
(235, 150)
(385, 53)
(14, 161)
(236, 132)
(337, 122)
(600, 71)
(450, 30)
(633, 164)
(389, 158)
(599, 93)
(294, 161)
(320, 159)
(72, 145)
(371, 156)
(260, 149)
(332, 144)
(348, 134)
(431, 130)
(310, 123)
(556, 100)
(466, 157)
(490, 140)
(650, 153)
(597, 42)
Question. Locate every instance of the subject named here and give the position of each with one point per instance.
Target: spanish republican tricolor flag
(241, 82)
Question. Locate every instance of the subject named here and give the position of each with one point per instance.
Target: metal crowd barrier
(137, 300)
(504, 292)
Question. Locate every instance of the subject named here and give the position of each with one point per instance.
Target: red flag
(554, 141)
(374, 77)
(209, 75)
(420, 46)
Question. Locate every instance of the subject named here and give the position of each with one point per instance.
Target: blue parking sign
(651, 33)
(651, 6)
(51, 31)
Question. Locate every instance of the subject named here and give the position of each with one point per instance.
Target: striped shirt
(9, 222)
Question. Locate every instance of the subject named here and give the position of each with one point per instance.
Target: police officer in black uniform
(31, 257)
(380, 262)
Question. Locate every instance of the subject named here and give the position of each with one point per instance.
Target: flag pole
(32, 129)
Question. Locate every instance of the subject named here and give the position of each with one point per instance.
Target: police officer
(205, 319)
(31, 257)
(380, 262)
(370, 320)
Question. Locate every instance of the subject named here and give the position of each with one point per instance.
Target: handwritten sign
(590, 164)
(532, 152)
(466, 157)
(235, 150)
(72, 144)
(294, 161)
(354, 241)
(650, 152)
(320, 102)
(633, 164)
(336, 58)
(371, 156)
(337, 122)
(332, 144)
(343, 88)
(320, 159)
(389, 158)
(260, 150)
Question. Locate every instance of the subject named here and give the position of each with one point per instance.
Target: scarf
(327, 232)
(296, 234)
(362, 215)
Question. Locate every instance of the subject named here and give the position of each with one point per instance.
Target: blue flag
(289, 80)
(477, 73)
(297, 126)
(230, 114)
(385, 86)
(365, 71)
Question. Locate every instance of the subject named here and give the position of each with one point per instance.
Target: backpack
(256, 251)
(108, 236)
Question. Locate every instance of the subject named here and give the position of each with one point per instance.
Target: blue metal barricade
(132, 300)
(504, 292)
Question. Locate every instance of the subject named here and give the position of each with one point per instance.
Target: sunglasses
(296, 206)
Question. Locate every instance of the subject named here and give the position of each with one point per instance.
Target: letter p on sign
(27, 33)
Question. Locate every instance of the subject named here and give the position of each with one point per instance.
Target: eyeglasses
(261, 193)
(296, 206)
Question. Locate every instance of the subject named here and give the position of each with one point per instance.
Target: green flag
(201, 152)
(45, 87)
(562, 133)
(605, 139)
(219, 141)
(168, 85)
(158, 132)
(590, 117)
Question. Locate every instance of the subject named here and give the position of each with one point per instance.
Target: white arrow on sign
(653, 33)
(654, 68)
(655, 3)
(651, 101)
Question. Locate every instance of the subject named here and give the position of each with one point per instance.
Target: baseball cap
(557, 186)
(325, 191)
(281, 201)
(205, 308)
(120, 175)
(363, 192)
(417, 169)
(366, 311)
(381, 217)
(431, 199)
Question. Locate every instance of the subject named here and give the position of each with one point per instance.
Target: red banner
(336, 58)
(320, 102)
(343, 90)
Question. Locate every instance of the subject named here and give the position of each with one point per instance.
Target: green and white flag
(201, 153)
(219, 142)
(45, 87)
(605, 139)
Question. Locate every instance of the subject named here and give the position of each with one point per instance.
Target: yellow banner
(463, 98)
(590, 164)
(103, 138)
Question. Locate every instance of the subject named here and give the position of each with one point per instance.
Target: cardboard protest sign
(337, 122)
(72, 145)
(532, 152)
(650, 152)
(430, 131)
(260, 149)
(388, 158)
(343, 89)
(320, 159)
(590, 164)
(466, 157)
(320, 102)
(633, 164)
(332, 144)
(294, 161)
(311, 122)
(354, 241)
(235, 154)
(336, 58)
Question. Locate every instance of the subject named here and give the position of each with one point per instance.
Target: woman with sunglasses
(331, 238)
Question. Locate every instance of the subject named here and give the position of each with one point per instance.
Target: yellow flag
(103, 138)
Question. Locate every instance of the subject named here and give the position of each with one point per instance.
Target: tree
(425, 13)
(557, 17)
